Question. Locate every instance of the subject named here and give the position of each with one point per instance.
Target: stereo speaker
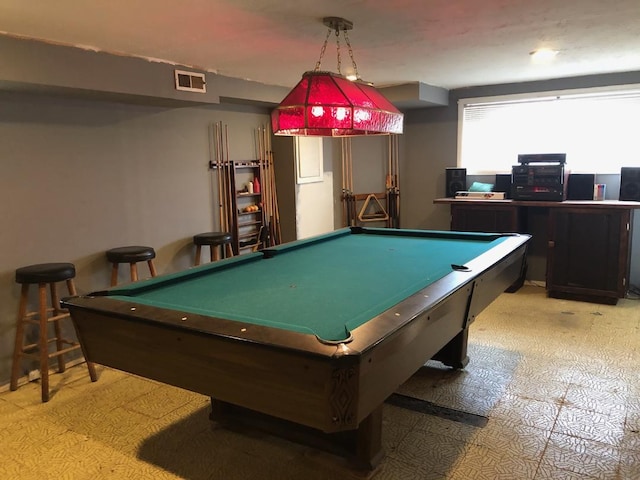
(580, 186)
(503, 184)
(456, 181)
(630, 184)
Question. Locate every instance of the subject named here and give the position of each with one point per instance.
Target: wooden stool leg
(198, 253)
(90, 366)
(152, 268)
(134, 271)
(215, 253)
(71, 287)
(56, 326)
(114, 275)
(229, 250)
(19, 342)
(43, 341)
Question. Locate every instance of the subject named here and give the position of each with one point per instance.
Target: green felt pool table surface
(326, 286)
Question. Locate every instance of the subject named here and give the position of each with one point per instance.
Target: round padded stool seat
(131, 254)
(45, 273)
(215, 241)
(212, 238)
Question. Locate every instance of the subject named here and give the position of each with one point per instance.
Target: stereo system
(630, 184)
(540, 177)
(456, 181)
(544, 177)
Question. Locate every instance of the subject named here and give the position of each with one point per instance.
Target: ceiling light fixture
(328, 104)
(543, 55)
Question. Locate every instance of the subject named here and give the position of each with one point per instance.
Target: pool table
(312, 335)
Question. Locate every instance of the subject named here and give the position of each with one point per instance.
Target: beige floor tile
(161, 401)
(523, 410)
(430, 451)
(589, 425)
(480, 463)
(515, 439)
(393, 469)
(629, 465)
(585, 457)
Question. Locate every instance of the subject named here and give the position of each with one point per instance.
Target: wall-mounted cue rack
(360, 208)
(246, 193)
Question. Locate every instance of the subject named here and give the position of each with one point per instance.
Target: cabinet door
(484, 218)
(588, 253)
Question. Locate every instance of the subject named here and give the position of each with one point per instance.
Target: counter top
(536, 203)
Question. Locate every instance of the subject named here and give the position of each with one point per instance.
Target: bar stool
(44, 274)
(131, 255)
(215, 240)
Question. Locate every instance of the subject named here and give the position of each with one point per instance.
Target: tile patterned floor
(558, 381)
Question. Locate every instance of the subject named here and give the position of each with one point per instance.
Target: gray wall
(80, 176)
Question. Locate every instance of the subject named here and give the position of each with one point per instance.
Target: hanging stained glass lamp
(330, 105)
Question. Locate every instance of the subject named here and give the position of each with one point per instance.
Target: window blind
(599, 132)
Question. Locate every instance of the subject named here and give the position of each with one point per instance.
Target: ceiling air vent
(190, 81)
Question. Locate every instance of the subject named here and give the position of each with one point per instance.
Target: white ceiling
(446, 43)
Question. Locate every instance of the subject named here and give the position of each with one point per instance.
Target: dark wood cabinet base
(587, 243)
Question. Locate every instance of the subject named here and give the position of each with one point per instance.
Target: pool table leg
(361, 447)
(368, 451)
(454, 353)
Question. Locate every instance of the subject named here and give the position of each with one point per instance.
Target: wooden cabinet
(588, 254)
(586, 244)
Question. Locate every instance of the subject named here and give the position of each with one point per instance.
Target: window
(598, 130)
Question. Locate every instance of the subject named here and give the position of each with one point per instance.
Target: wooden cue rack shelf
(245, 212)
(248, 206)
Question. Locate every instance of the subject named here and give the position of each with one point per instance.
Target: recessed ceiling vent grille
(190, 81)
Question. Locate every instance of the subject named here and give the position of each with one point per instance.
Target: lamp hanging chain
(353, 60)
(338, 49)
(322, 50)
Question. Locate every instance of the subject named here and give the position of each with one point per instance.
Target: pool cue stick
(214, 163)
(225, 182)
(344, 188)
(345, 184)
(223, 179)
(397, 180)
(277, 237)
(265, 186)
(229, 183)
(273, 192)
(221, 185)
(347, 192)
(267, 193)
(353, 197)
(388, 182)
(394, 176)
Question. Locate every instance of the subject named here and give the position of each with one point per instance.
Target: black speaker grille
(456, 181)
(630, 184)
